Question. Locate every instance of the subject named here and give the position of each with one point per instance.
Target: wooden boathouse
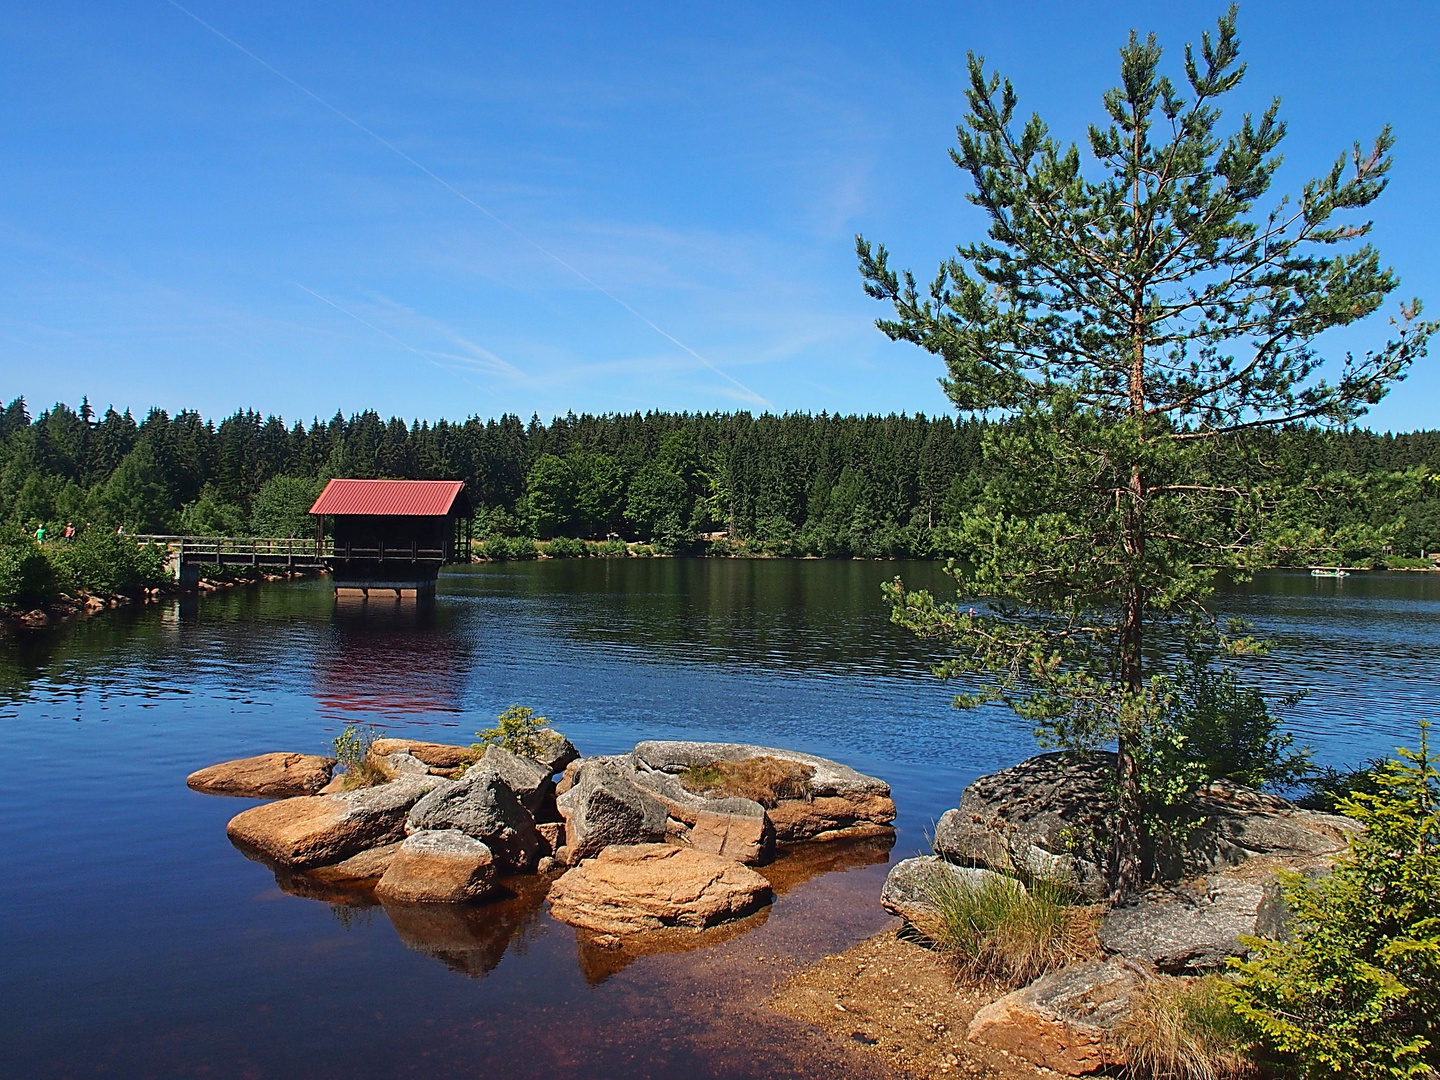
(392, 534)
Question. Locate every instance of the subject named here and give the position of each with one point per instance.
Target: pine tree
(1131, 319)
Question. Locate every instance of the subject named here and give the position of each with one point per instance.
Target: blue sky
(639, 206)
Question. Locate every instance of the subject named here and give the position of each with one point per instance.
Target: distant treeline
(795, 484)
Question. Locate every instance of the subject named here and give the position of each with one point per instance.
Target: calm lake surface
(137, 942)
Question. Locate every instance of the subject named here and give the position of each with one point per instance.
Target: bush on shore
(96, 562)
(1355, 992)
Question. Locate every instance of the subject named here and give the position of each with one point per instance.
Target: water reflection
(393, 658)
(473, 938)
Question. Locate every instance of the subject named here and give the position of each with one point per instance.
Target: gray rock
(405, 764)
(911, 884)
(482, 805)
(1239, 824)
(831, 777)
(525, 777)
(1042, 818)
(1188, 929)
(556, 751)
(606, 806)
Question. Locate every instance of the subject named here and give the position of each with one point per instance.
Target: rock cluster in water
(661, 837)
(1044, 819)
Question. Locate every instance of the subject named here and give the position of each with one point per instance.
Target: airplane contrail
(466, 198)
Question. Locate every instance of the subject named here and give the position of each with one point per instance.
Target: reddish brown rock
(436, 755)
(368, 866)
(315, 830)
(552, 836)
(637, 887)
(440, 866)
(1064, 1021)
(832, 817)
(268, 776)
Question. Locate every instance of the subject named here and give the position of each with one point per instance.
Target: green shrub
(566, 547)
(1002, 930)
(352, 749)
(1356, 991)
(26, 576)
(502, 548)
(518, 731)
(1184, 1029)
(100, 562)
(610, 549)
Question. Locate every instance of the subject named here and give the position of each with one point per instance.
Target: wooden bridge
(187, 554)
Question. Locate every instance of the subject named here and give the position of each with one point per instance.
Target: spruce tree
(1132, 316)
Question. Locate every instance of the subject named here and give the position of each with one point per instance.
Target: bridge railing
(237, 545)
(236, 548)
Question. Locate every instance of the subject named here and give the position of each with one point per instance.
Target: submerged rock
(607, 806)
(315, 830)
(910, 885)
(482, 805)
(637, 887)
(1064, 1021)
(438, 866)
(267, 776)
(359, 869)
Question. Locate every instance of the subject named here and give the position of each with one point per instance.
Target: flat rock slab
(365, 868)
(438, 866)
(912, 883)
(1064, 1021)
(315, 830)
(267, 776)
(1194, 928)
(732, 828)
(638, 887)
(831, 817)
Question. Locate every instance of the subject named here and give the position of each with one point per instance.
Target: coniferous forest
(796, 484)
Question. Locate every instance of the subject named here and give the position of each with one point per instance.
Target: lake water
(137, 942)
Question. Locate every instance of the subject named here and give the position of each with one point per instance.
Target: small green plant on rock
(1355, 992)
(1184, 1029)
(518, 731)
(1000, 929)
(352, 748)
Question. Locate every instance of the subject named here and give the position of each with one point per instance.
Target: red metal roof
(400, 498)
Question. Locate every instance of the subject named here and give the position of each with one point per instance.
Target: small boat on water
(1337, 572)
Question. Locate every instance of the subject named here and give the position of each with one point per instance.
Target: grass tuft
(1182, 1029)
(767, 780)
(1001, 930)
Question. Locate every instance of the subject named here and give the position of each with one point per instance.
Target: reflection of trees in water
(391, 657)
(771, 612)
